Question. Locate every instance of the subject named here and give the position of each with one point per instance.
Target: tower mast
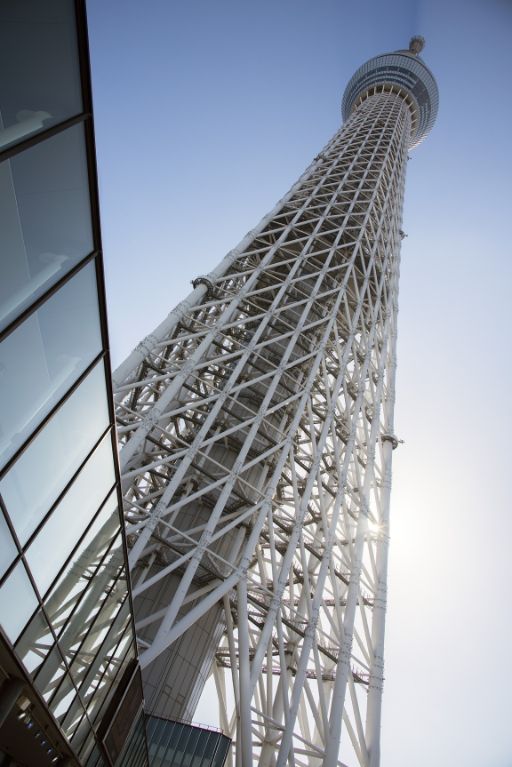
(256, 437)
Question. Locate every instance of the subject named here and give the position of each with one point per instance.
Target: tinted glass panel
(17, 602)
(46, 466)
(45, 221)
(59, 536)
(134, 753)
(42, 358)
(222, 751)
(8, 548)
(39, 75)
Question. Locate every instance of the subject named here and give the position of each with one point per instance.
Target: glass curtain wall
(65, 610)
(175, 744)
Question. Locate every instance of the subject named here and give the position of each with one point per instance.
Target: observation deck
(404, 73)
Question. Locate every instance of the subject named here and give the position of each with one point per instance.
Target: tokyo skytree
(256, 437)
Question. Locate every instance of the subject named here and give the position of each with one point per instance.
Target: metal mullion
(42, 605)
(66, 488)
(36, 138)
(73, 615)
(12, 460)
(77, 543)
(100, 657)
(40, 300)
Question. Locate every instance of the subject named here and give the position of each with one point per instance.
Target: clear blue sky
(206, 112)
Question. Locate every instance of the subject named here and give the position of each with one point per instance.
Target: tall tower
(256, 437)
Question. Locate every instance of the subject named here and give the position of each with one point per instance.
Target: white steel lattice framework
(256, 434)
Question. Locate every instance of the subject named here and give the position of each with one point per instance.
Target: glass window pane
(59, 536)
(101, 691)
(45, 219)
(74, 716)
(17, 602)
(42, 471)
(95, 759)
(221, 752)
(51, 674)
(82, 580)
(62, 699)
(35, 643)
(191, 745)
(97, 708)
(96, 654)
(43, 357)
(78, 737)
(39, 68)
(8, 548)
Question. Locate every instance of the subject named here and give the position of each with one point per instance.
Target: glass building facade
(70, 684)
(179, 744)
(70, 681)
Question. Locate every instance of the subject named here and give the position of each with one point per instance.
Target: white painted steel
(256, 433)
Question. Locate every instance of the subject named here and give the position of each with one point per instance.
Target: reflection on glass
(61, 701)
(45, 220)
(94, 660)
(83, 577)
(72, 718)
(95, 759)
(39, 72)
(96, 637)
(81, 733)
(98, 705)
(8, 548)
(50, 674)
(59, 535)
(45, 355)
(35, 643)
(46, 466)
(17, 602)
(84, 646)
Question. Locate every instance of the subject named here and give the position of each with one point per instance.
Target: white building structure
(256, 437)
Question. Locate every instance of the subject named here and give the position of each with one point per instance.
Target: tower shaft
(255, 429)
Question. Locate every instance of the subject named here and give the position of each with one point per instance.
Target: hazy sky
(206, 113)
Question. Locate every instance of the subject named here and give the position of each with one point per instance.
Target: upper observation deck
(402, 72)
